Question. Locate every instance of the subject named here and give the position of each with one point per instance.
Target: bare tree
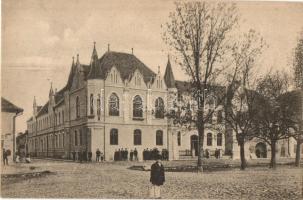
(241, 104)
(200, 33)
(275, 116)
(298, 74)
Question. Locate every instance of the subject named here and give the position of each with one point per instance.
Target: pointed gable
(95, 70)
(169, 76)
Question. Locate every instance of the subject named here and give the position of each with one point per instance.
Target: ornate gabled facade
(118, 102)
(114, 102)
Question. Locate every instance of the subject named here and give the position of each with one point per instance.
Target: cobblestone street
(115, 180)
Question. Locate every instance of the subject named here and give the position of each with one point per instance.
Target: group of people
(217, 153)
(122, 155)
(152, 154)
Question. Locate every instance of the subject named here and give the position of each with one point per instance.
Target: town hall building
(117, 102)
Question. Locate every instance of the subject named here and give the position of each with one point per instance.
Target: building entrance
(194, 145)
(261, 151)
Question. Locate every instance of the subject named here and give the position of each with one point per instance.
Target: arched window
(159, 137)
(77, 107)
(209, 139)
(219, 139)
(137, 107)
(159, 107)
(179, 138)
(137, 137)
(91, 104)
(113, 136)
(113, 105)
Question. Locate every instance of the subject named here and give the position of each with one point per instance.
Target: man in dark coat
(4, 157)
(157, 178)
(136, 154)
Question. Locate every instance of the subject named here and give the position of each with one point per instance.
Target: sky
(40, 37)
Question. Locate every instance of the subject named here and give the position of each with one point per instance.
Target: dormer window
(137, 80)
(114, 76)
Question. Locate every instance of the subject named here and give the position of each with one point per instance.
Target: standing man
(157, 178)
(4, 156)
(135, 154)
(98, 153)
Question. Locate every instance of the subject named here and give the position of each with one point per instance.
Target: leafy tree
(200, 35)
(298, 74)
(275, 116)
(241, 104)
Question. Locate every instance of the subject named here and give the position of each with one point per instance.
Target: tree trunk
(298, 153)
(273, 155)
(242, 155)
(200, 125)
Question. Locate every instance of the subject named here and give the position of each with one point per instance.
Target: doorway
(194, 144)
(261, 151)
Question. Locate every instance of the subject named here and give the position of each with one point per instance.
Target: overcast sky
(40, 37)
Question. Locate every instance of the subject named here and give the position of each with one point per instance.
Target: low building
(9, 112)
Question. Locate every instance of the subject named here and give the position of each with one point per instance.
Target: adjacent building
(9, 113)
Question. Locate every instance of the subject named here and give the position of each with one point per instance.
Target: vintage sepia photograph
(161, 99)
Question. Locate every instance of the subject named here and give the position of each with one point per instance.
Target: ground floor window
(137, 137)
(219, 139)
(209, 139)
(179, 138)
(114, 136)
(159, 137)
(76, 138)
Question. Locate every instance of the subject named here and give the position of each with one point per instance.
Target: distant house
(21, 143)
(9, 112)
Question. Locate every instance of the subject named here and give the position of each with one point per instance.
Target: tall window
(80, 137)
(91, 104)
(113, 105)
(63, 140)
(59, 116)
(179, 138)
(137, 107)
(76, 138)
(99, 106)
(137, 137)
(77, 107)
(209, 139)
(159, 107)
(219, 139)
(62, 116)
(219, 116)
(114, 136)
(159, 137)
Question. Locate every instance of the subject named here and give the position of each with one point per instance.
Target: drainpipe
(14, 134)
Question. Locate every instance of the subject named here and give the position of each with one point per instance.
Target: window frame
(114, 136)
(137, 137)
(159, 138)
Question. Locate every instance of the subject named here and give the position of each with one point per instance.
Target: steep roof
(44, 110)
(183, 86)
(124, 62)
(169, 76)
(7, 106)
